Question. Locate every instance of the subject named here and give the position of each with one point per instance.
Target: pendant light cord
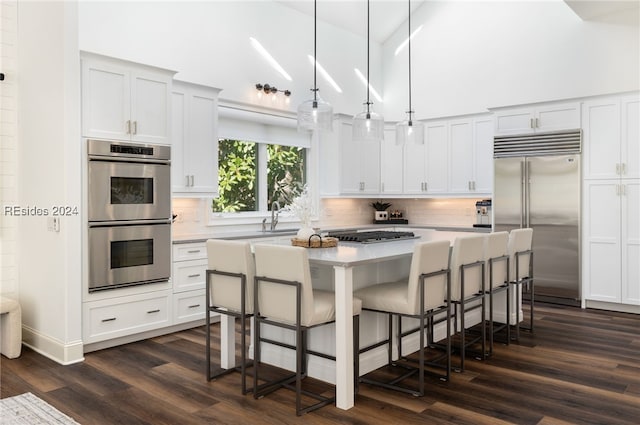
(409, 50)
(368, 81)
(315, 57)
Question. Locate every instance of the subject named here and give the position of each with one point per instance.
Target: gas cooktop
(372, 236)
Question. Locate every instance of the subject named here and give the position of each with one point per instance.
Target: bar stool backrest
(519, 241)
(277, 301)
(496, 246)
(428, 257)
(231, 257)
(466, 250)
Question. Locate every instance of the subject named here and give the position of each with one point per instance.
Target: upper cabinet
(125, 101)
(359, 163)
(425, 165)
(391, 181)
(611, 132)
(537, 118)
(194, 140)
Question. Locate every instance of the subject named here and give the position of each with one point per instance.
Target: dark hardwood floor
(580, 367)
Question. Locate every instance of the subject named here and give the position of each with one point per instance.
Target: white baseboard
(58, 351)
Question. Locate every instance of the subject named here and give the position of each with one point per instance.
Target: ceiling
(385, 15)
(388, 15)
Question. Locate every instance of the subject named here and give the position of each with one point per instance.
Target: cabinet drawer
(189, 275)
(111, 318)
(189, 251)
(189, 306)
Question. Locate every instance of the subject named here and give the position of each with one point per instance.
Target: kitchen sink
(292, 230)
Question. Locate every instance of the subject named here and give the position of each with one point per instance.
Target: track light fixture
(269, 89)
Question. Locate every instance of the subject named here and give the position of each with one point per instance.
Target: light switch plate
(53, 224)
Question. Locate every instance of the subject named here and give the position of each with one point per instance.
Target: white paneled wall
(8, 147)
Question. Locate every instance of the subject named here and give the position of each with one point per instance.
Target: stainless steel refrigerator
(537, 185)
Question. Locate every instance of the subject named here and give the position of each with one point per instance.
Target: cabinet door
(483, 155)
(414, 163)
(460, 157)
(370, 167)
(201, 149)
(350, 159)
(514, 121)
(630, 241)
(105, 100)
(555, 117)
(630, 138)
(391, 163)
(150, 107)
(179, 125)
(436, 143)
(601, 138)
(601, 242)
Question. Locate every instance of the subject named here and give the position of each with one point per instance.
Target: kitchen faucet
(275, 209)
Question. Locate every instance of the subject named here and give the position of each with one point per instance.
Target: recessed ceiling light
(256, 45)
(364, 81)
(326, 75)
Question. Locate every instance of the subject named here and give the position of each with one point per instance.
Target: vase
(305, 232)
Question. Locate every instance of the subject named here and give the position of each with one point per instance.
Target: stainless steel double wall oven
(129, 208)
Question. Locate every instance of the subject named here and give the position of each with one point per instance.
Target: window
(249, 172)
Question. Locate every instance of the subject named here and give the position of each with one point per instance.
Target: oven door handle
(128, 159)
(93, 224)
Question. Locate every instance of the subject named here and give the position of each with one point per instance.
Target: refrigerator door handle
(522, 192)
(527, 190)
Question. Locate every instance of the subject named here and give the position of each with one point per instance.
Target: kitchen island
(343, 269)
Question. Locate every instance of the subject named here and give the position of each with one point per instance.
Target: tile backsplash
(194, 218)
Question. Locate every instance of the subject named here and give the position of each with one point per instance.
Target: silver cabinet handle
(193, 180)
(623, 167)
(382, 186)
(193, 275)
(618, 169)
(537, 123)
(426, 186)
(128, 126)
(153, 311)
(474, 185)
(135, 127)
(623, 189)
(193, 251)
(194, 306)
(531, 123)
(110, 319)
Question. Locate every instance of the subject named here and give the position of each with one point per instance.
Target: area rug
(28, 409)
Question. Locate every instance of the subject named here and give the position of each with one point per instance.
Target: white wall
(49, 157)
(207, 43)
(470, 56)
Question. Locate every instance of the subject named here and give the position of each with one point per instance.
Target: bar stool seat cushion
(390, 296)
(324, 307)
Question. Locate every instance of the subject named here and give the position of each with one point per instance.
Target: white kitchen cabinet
(483, 155)
(425, 166)
(359, 163)
(537, 118)
(189, 275)
(125, 101)
(391, 164)
(194, 165)
(611, 241)
(461, 175)
(611, 137)
(127, 315)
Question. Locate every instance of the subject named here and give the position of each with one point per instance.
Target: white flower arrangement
(302, 207)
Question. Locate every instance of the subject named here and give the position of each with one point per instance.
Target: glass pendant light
(315, 114)
(409, 131)
(368, 126)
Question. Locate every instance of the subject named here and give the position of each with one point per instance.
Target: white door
(201, 148)
(414, 168)
(460, 157)
(630, 138)
(601, 133)
(150, 107)
(390, 164)
(437, 158)
(483, 155)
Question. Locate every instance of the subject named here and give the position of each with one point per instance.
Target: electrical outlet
(53, 224)
(179, 216)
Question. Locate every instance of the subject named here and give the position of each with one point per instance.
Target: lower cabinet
(189, 274)
(175, 303)
(116, 317)
(611, 241)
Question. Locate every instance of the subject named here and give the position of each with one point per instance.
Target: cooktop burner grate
(372, 236)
